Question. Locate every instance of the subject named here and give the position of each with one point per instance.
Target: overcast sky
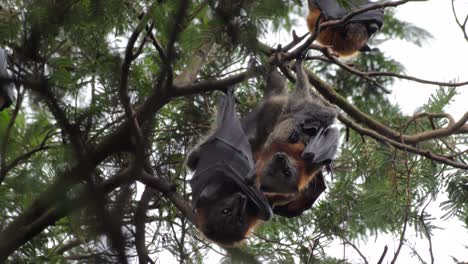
(444, 58)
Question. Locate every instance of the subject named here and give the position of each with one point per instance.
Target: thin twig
(398, 145)
(326, 51)
(355, 248)
(409, 172)
(428, 234)
(383, 255)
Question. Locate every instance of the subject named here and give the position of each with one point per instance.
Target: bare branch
(461, 25)
(409, 171)
(331, 95)
(326, 51)
(200, 55)
(398, 145)
(169, 191)
(139, 219)
(428, 234)
(383, 255)
(355, 248)
(123, 90)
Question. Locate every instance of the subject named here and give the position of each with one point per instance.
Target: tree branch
(398, 145)
(331, 95)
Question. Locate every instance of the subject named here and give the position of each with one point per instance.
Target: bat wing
(226, 157)
(322, 147)
(229, 128)
(305, 200)
(332, 10)
(6, 89)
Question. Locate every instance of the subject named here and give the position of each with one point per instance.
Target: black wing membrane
(226, 157)
(6, 89)
(331, 10)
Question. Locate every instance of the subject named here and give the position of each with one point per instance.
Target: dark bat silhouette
(353, 36)
(225, 195)
(6, 90)
(293, 139)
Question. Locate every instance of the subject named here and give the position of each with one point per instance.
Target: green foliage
(79, 46)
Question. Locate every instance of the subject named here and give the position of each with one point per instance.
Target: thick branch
(189, 74)
(139, 219)
(169, 191)
(20, 232)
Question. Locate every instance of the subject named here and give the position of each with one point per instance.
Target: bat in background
(348, 39)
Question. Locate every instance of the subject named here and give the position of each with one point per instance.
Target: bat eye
(226, 211)
(311, 127)
(294, 137)
(287, 173)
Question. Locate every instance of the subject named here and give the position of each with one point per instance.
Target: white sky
(444, 58)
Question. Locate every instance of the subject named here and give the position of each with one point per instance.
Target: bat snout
(280, 158)
(308, 155)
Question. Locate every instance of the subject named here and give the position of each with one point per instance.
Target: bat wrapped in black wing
(225, 197)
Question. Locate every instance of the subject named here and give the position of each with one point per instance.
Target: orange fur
(201, 220)
(307, 172)
(342, 43)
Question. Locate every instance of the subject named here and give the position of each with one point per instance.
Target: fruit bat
(225, 196)
(293, 140)
(6, 90)
(346, 39)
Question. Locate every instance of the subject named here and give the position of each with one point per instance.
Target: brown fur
(346, 41)
(306, 171)
(201, 219)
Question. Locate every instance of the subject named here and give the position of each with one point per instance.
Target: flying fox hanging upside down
(292, 140)
(347, 39)
(225, 196)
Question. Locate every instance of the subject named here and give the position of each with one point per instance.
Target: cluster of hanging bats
(272, 160)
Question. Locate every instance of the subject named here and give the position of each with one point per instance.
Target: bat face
(279, 175)
(228, 218)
